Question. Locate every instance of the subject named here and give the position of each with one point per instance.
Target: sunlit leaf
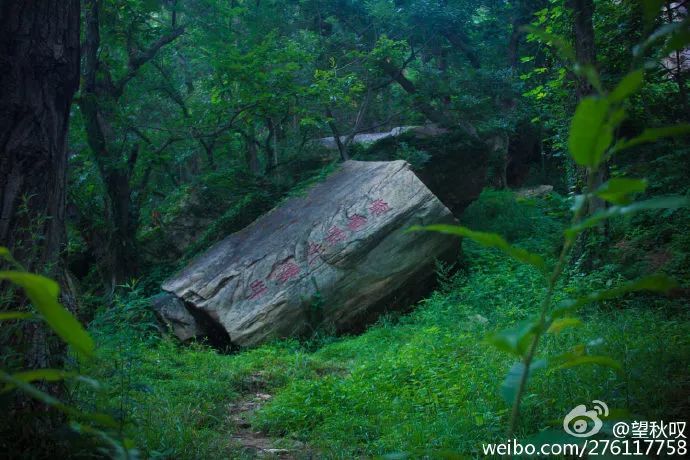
(514, 340)
(7, 315)
(491, 240)
(7, 255)
(627, 86)
(43, 293)
(590, 133)
(563, 323)
(561, 44)
(618, 189)
(588, 359)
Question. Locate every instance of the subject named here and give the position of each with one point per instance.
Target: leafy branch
(591, 143)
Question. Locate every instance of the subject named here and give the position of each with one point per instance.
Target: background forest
(185, 120)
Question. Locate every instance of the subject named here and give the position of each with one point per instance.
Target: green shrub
(500, 211)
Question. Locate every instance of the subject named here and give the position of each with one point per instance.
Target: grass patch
(424, 382)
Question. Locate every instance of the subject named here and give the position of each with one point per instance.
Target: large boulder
(338, 255)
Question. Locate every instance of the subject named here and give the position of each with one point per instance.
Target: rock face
(420, 132)
(338, 256)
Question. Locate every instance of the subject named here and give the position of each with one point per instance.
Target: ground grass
(424, 383)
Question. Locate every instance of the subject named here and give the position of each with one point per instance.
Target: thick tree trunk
(39, 57)
(583, 30)
(123, 244)
(252, 157)
(585, 52)
(39, 62)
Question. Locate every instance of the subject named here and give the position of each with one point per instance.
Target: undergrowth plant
(591, 143)
(43, 294)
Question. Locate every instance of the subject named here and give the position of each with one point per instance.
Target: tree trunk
(583, 30)
(585, 52)
(123, 244)
(342, 147)
(98, 102)
(251, 156)
(39, 58)
(39, 55)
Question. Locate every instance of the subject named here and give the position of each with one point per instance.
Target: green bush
(500, 211)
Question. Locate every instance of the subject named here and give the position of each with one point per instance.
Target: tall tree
(39, 58)
(39, 55)
(116, 160)
(583, 31)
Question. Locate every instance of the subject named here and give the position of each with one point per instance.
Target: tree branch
(137, 59)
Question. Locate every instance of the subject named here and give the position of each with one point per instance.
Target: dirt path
(257, 444)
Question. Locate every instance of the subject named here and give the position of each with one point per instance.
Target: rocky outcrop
(421, 132)
(339, 255)
(457, 168)
(173, 313)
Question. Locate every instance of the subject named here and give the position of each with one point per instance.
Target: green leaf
(491, 240)
(564, 48)
(679, 40)
(666, 202)
(563, 323)
(627, 86)
(588, 359)
(7, 255)
(661, 32)
(49, 375)
(511, 383)
(618, 190)
(654, 283)
(651, 8)
(590, 132)
(6, 315)
(653, 134)
(514, 340)
(43, 293)
(52, 401)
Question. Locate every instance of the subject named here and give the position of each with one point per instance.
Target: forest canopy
(150, 148)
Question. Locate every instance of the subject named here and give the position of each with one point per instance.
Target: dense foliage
(195, 117)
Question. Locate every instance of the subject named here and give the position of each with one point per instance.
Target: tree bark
(583, 30)
(585, 52)
(39, 55)
(39, 58)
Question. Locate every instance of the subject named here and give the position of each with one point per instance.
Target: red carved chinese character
(258, 289)
(356, 222)
(335, 235)
(287, 271)
(313, 252)
(379, 207)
